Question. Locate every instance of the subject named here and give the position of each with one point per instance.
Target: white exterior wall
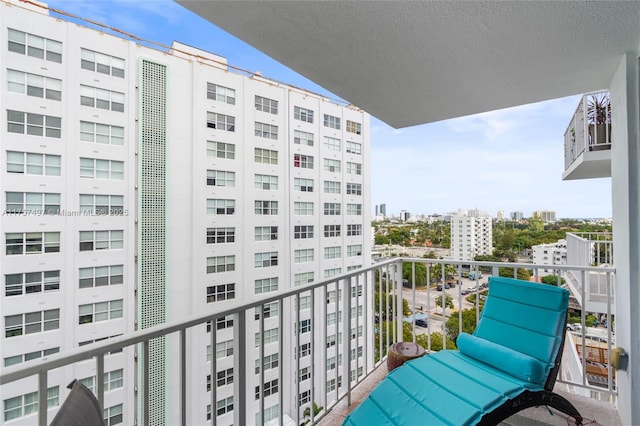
(549, 254)
(186, 210)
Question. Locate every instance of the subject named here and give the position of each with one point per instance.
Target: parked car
(439, 287)
(422, 323)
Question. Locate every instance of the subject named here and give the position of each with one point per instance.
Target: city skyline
(470, 162)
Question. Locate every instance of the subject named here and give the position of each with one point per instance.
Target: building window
(221, 122)
(224, 349)
(267, 182)
(354, 250)
(331, 209)
(333, 252)
(94, 168)
(265, 260)
(332, 165)
(216, 293)
(219, 264)
(303, 256)
(266, 233)
(354, 230)
(35, 46)
(332, 121)
(303, 161)
(303, 114)
(269, 362)
(304, 397)
(353, 267)
(31, 282)
(266, 285)
(221, 150)
(302, 208)
(304, 350)
(302, 138)
(26, 123)
(303, 185)
(32, 243)
(302, 231)
(270, 336)
(19, 359)
(101, 311)
(332, 272)
(354, 168)
(33, 164)
(354, 209)
(353, 127)
(113, 415)
(331, 187)
(99, 62)
(217, 206)
(354, 148)
(303, 278)
(332, 143)
(221, 178)
(270, 388)
(31, 322)
(305, 302)
(304, 326)
(221, 93)
(266, 207)
(95, 97)
(35, 85)
(32, 203)
(354, 189)
(270, 310)
(101, 240)
(332, 230)
(100, 276)
(24, 405)
(331, 340)
(267, 131)
(224, 406)
(266, 156)
(221, 235)
(224, 377)
(101, 133)
(97, 204)
(266, 105)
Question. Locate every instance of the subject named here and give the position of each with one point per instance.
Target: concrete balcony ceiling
(409, 63)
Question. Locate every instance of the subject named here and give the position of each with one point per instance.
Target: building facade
(545, 215)
(549, 254)
(516, 216)
(143, 186)
(471, 234)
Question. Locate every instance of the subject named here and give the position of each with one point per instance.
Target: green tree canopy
(448, 301)
(420, 270)
(468, 323)
(522, 273)
(552, 280)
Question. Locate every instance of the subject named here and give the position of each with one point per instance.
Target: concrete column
(625, 173)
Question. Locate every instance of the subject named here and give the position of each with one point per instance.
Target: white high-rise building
(544, 215)
(471, 234)
(143, 186)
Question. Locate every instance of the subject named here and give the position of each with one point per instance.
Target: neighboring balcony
(587, 140)
(342, 344)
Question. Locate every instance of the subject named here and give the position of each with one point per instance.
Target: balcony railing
(589, 132)
(330, 336)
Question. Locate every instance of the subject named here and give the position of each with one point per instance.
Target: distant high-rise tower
(544, 215)
(383, 210)
(404, 215)
(471, 234)
(500, 215)
(517, 215)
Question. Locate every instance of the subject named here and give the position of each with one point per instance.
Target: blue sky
(506, 160)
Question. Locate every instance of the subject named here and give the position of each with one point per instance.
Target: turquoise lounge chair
(510, 363)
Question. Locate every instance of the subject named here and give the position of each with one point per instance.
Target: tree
(435, 272)
(552, 280)
(468, 323)
(448, 301)
(436, 342)
(420, 270)
(381, 330)
(307, 412)
(522, 273)
(382, 312)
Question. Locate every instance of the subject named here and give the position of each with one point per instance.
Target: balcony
(331, 342)
(587, 140)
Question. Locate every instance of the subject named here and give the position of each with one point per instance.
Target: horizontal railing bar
(147, 334)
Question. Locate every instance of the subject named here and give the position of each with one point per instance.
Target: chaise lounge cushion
(502, 358)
